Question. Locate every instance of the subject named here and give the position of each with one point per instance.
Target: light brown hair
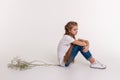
(69, 26)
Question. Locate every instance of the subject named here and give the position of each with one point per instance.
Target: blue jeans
(75, 50)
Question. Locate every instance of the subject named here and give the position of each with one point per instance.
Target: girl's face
(74, 30)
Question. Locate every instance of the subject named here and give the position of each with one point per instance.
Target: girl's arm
(86, 48)
(79, 43)
(86, 41)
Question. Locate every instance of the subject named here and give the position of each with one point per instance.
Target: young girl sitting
(69, 46)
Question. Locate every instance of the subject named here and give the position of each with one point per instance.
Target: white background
(32, 29)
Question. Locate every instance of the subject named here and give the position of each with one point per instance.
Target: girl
(69, 46)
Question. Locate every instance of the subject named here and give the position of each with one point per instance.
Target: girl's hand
(85, 49)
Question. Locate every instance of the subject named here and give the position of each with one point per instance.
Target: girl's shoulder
(68, 37)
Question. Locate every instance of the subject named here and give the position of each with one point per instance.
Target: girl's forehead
(75, 26)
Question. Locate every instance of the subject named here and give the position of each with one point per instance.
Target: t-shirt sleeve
(69, 40)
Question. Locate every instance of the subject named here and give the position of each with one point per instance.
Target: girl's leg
(87, 55)
(73, 54)
(94, 63)
(75, 50)
(92, 60)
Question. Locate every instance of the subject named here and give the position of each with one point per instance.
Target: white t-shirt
(63, 47)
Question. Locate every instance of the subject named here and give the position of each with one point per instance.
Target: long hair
(69, 26)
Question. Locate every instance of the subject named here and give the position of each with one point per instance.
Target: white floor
(78, 71)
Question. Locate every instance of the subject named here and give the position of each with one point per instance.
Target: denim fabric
(75, 51)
